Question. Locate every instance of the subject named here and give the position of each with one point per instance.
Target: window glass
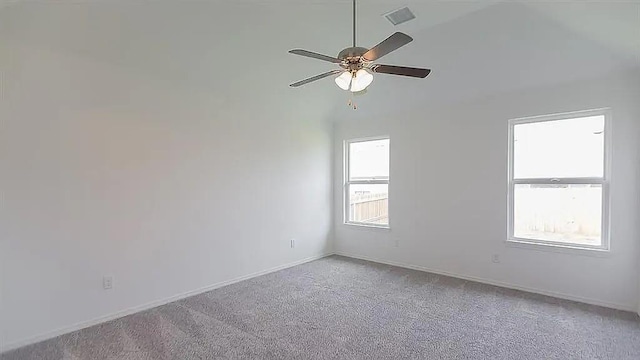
(369, 160)
(572, 148)
(369, 203)
(559, 213)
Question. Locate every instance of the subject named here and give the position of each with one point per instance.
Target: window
(558, 179)
(366, 190)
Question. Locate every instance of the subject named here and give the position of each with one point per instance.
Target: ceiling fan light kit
(361, 80)
(355, 82)
(356, 63)
(344, 81)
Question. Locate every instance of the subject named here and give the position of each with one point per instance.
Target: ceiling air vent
(400, 16)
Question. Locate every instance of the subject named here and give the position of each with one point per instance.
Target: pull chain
(352, 104)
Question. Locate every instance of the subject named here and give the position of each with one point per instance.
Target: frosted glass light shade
(362, 79)
(344, 80)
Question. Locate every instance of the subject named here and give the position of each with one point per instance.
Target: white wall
(112, 170)
(448, 193)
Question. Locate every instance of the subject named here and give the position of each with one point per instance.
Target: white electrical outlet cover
(107, 282)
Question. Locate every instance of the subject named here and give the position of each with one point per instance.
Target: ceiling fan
(356, 63)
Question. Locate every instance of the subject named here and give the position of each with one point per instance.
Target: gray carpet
(339, 308)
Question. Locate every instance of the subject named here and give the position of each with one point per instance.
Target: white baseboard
(147, 306)
(624, 307)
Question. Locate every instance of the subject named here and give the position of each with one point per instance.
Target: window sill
(557, 248)
(367, 226)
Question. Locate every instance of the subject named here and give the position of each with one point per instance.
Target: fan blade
(401, 70)
(317, 77)
(315, 56)
(392, 43)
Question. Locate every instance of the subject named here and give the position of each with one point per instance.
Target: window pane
(369, 159)
(570, 214)
(562, 148)
(369, 204)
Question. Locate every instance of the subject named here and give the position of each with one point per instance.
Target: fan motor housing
(352, 52)
(352, 58)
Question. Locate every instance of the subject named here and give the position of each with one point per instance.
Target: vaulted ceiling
(238, 49)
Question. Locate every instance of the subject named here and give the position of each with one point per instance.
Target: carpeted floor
(339, 308)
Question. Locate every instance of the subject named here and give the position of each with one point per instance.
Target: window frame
(372, 181)
(604, 181)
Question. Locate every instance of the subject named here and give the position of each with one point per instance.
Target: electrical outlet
(293, 243)
(495, 258)
(107, 282)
